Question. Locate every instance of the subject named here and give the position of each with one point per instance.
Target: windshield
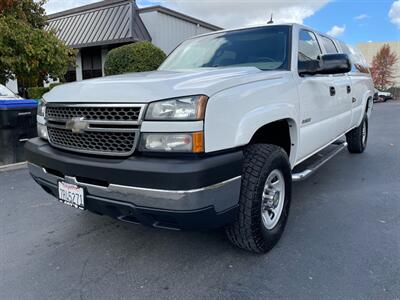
(5, 92)
(265, 48)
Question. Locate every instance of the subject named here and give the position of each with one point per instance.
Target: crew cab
(213, 138)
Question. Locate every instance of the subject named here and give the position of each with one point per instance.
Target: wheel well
(276, 133)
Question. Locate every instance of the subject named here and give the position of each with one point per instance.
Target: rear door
(343, 90)
(317, 106)
(360, 80)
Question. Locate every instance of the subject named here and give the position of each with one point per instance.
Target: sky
(353, 21)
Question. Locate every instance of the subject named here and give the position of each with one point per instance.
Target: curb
(13, 167)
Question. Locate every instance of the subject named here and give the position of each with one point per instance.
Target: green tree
(27, 50)
(31, 12)
(136, 57)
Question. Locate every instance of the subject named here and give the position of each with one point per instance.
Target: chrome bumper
(221, 196)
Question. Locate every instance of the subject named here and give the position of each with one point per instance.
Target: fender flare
(253, 120)
(367, 103)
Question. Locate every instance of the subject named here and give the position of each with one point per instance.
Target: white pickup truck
(213, 138)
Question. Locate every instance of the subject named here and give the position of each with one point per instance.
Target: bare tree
(383, 68)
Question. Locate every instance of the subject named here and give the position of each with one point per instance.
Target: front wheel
(357, 138)
(264, 199)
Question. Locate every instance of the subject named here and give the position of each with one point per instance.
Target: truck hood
(151, 86)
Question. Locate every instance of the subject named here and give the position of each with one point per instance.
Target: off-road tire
(248, 231)
(355, 138)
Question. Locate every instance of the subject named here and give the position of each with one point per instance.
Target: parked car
(376, 96)
(382, 96)
(6, 93)
(213, 138)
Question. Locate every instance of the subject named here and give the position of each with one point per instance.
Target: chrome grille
(106, 129)
(99, 113)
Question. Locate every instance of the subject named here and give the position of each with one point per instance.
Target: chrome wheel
(273, 199)
(364, 133)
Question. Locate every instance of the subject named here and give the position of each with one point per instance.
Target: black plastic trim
(184, 173)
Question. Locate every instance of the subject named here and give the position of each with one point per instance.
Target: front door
(317, 101)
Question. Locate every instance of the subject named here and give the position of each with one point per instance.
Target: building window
(91, 63)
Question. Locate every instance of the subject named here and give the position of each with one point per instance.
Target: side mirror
(335, 64)
(309, 67)
(328, 64)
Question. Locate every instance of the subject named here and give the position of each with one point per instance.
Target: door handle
(348, 89)
(332, 90)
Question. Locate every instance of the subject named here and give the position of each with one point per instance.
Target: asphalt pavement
(342, 241)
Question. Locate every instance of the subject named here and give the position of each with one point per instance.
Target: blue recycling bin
(17, 125)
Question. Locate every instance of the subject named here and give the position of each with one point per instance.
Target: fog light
(42, 131)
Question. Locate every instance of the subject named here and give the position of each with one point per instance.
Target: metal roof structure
(102, 23)
(179, 15)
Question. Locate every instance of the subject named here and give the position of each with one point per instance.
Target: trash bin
(17, 125)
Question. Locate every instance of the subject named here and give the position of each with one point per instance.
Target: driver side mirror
(328, 64)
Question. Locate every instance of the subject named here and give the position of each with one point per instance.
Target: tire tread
(244, 233)
(354, 139)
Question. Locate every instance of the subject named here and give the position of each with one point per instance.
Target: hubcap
(273, 199)
(364, 133)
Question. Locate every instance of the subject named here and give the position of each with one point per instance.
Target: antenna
(271, 21)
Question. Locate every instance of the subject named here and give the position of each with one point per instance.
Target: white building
(97, 28)
(371, 49)
(168, 28)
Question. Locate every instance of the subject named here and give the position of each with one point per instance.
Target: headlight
(186, 108)
(172, 142)
(41, 122)
(41, 110)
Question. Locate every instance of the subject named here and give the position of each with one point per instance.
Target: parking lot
(342, 241)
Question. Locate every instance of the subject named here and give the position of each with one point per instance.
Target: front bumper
(191, 193)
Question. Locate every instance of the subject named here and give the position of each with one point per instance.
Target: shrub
(54, 84)
(136, 57)
(37, 92)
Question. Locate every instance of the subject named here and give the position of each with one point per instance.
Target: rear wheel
(357, 139)
(264, 199)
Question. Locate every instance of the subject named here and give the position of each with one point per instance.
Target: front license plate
(71, 194)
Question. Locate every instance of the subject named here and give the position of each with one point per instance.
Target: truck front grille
(98, 113)
(98, 129)
(94, 142)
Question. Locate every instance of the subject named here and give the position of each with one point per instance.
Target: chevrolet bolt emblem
(77, 125)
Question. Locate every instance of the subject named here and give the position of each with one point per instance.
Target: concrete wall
(167, 31)
(13, 86)
(371, 49)
(79, 67)
(103, 59)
